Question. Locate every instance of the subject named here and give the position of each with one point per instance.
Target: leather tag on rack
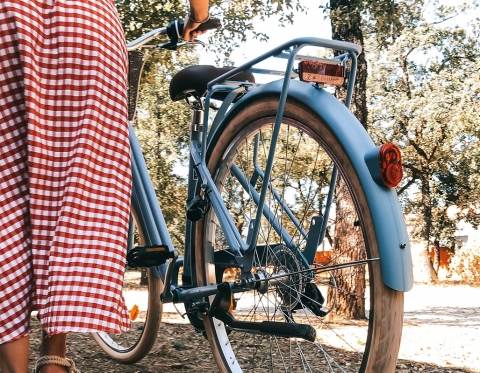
(319, 72)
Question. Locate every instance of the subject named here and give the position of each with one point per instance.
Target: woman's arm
(198, 14)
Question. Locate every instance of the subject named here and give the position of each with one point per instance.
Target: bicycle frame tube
(145, 203)
(266, 210)
(271, 155)
(232, 235)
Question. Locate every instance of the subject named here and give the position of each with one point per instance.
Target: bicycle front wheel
(357, 319)
(142, 296)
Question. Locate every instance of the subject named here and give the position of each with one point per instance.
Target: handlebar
(174, 31)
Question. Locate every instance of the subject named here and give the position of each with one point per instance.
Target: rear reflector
(391, 170)
(319, 72)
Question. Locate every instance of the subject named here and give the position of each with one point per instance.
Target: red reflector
(390, 165)
(319, 72)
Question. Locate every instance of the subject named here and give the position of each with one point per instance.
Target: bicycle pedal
(149, 256)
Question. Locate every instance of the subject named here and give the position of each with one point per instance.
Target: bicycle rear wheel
(143, 302)
(357, 319)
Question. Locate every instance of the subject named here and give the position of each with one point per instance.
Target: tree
(424, 95)
(346, 22)
(238, 21)
(353, 21)
(237, 18)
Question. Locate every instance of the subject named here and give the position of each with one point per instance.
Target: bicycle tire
(334, 348)
(135, 344)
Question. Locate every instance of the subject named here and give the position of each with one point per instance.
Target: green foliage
(237, 17)
(382, 20)
(424, 95)
(465, 264)
(140, 16)
(237, 22)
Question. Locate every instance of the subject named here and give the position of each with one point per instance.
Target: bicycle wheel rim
(145, 308)
(358, 349)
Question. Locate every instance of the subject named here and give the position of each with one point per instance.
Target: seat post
(196, 127)
(197, 121)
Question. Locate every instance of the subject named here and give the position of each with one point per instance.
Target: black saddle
(193, 80)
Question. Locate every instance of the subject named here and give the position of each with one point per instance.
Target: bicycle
(268, 182)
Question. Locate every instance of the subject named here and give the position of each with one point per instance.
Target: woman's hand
(198, 14)
(190, 29)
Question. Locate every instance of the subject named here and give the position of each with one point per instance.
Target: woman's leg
(55, 345)
(14, 356)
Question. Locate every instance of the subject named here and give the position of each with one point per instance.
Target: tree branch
(419, 151)
(406, 186)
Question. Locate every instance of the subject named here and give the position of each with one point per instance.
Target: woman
(64, 173)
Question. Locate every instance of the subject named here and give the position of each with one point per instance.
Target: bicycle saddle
(194, 80)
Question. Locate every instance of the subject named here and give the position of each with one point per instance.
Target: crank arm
(273, 328)
(220, 310)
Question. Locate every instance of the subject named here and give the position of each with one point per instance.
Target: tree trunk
(436, 256)
(346, 26)
(427, 225)
(431, 269)
(348, 246)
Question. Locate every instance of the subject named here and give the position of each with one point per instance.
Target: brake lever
(174, 46)
(195, 41)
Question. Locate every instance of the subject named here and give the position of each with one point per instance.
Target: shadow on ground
(445, 316)
(178, 349)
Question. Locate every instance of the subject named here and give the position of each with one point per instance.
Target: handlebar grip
(211, 24)
(175, 29)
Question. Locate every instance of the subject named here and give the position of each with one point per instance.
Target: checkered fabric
(65, 177)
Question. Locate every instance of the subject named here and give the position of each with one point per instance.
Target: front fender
(389, 224)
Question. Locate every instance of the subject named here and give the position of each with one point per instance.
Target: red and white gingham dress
(64, 166)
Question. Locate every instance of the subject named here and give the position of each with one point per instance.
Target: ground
(441, 334)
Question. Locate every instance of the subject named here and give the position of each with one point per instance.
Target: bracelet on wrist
(191, 18)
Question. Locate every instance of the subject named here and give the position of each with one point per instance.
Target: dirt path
(441, 334)
(442, 327)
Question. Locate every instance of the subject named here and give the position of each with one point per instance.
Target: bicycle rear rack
(198, 151)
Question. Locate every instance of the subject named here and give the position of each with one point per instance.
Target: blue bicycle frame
(389, 225)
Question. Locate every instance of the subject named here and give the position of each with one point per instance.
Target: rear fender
(389, 223)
